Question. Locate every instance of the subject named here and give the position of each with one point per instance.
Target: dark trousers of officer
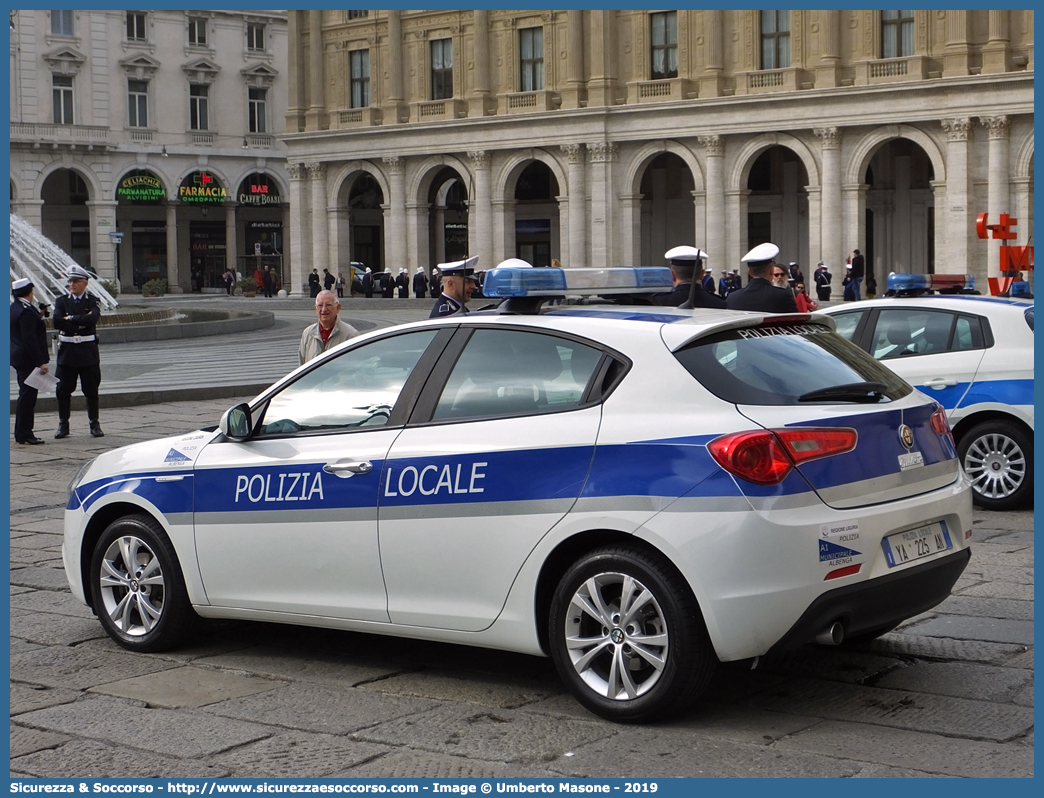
(90, 379)
(25, 409)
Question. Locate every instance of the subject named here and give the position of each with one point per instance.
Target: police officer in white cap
(28, 352)
(686, 274)
(759, 293)
(458, 284)
(75, 316)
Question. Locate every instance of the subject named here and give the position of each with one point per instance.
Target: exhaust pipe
(832, 635)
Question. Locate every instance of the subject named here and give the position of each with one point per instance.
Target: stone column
(315, 116)
(959, 217)
(295, 73)
(602, 83)
(957, 55)
(828, 70)
(395, 235)
(713, 240)
(174, 277)
(853, 221)
(575, 250)
(831, 249)
(503, 230)
(714, 62)
(999, 194)
(603, 203)
(479, 100)
(231, 238)
(102, 215)
(300, 232)
(395, 109)
(317, 224)
(996, 52)
(574, 92)
(630, 231)
(480, 210)
(417, 216)
(735, 231)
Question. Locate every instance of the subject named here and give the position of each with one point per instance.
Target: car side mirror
(236, 423)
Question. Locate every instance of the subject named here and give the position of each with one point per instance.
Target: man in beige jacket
(328, 332)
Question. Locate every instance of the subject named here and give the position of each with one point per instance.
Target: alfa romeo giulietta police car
(638, 493)
(972, 354)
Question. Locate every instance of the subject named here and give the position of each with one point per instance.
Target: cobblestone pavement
(950, 693)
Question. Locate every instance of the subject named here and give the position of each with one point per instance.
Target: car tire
(630, 669)
(998, 458)
(137, 586)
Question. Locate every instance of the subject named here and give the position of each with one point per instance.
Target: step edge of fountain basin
(243, 321)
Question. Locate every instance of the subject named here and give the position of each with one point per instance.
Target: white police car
(974, 355)
(638, 493)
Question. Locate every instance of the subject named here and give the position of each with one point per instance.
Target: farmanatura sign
(140, 188)
(202, 188)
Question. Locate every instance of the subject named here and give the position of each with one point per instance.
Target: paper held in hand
(41, 381)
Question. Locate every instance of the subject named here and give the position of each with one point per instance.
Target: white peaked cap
(24, 282)
(514, 263)
(79, 272)
(685, 253)
(761, 252)
(459, 268)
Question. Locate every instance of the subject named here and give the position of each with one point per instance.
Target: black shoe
(33, 441)
(96, 430)
(63, 430)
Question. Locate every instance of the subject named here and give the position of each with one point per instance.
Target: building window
(137, 103)
(897, 34)
(136, 31)
(256, 103)
(531, 61)
(775, 39)
(197, 31)
(664, 38)
(358, 14)
(199, 107)
(62, 97)
(441, 69)
(256, 36)
(360, 78)
(78, 193)
(61, 23)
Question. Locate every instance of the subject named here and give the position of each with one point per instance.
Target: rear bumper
(878, 603)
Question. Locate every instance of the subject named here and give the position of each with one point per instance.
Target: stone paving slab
(51, 601)
(185, 687)
(54, 630)
(324, 709)
(989, 608)
(183, 734)
(94, 759)
(412, 764)
(25, 698)
(944, 648)
(908, 749)
(18, 646)
(999, 590)
(959, 679)
(961, 627)
(495, 691)
(298, 755)
(40, 578)
(741, 724)
(280, 662)
(953, 717)
(641, 753)
(1023, 660)
(837, 664)
(74, 669)
(496, 735)
(38, 542)
(26, 741)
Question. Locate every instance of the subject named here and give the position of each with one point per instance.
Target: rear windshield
(778, 364)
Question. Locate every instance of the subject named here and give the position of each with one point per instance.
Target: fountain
(35, 256)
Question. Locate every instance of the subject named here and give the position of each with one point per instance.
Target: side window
(847, 323)
(356, 389)
(901, 333)
(509, 372)
(967, 334)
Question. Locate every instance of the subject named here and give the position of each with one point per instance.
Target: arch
(118, 176)
(15, 193)
(1024, 159)
(641, 159)
(94, 183)
(208, 168)
(513, 167)
(340, 183)
(739, 170)
(244, 173)
(866, 147)
(419, 183)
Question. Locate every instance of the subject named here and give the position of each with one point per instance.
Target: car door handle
(345, 470)
(938, 383)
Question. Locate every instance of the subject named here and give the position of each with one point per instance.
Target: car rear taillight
(941, 424)
(765, 457)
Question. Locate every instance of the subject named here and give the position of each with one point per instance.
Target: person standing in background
(75, 316)
(420, 284)
(858, 273)
(28, 352)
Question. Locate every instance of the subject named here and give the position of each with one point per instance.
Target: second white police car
(638, 493)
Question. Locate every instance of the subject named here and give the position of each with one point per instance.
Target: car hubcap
(132, 587)
(996, 466)
(616, 636)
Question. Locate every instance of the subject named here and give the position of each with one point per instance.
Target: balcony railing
(431, 110)
(765, 80)
(256, 140)
(58, 134)
(200, 137)
(141, 136)
(525, 101)
(355, 117)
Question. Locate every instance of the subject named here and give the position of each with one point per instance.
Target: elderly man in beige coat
(328, 332)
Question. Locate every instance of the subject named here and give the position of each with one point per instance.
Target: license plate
(913, 544)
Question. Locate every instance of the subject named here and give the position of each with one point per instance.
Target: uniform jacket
(83, 316)
(761, 295)
(28, 337)
(403, 283)
(446, 306)
(312, 343)
(420, 284)
(701, 299)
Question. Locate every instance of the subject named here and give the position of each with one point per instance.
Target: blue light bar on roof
(508, 282)
(925, 282)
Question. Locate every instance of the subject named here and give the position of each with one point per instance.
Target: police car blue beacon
(636, 492)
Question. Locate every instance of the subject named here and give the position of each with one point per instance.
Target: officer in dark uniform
(420, 284)
(759, 293)
(458, 284)
(687, 269)
(28, 352)
(75, 316)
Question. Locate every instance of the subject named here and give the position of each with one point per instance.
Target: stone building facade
(146, 143)
(603, 138)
